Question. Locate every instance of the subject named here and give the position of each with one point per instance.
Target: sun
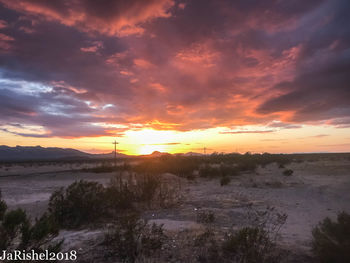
(148, 140)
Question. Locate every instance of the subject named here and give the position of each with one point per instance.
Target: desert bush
(288, 172)
(230, 164)
(119, 197)
(152, 239)
(153, 191)
(209, 171)
(169, 195)
(18, 233)
(225, 180)
(209, 249)
(249, 244)
(43, 227)
(82, 202)
(132, 237)
(90, 202)
(146, 188)
(228, 170)
(331, 239)
(268, 219)
(13, 226)
(179, 165)
(3, 207)
(108, 168)
(205, 216)
(14, 221)
(100, 169)
(255, 243)
(247, 165)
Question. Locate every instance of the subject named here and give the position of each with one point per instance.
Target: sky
(176, 75)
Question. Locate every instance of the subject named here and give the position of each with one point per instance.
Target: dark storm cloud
(174, 65)
(318, 95)
(320, 89)
(53, 53)
(60, 115)
(12, 106)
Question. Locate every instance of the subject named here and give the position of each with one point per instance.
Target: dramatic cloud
(93, 68)
(105, 16)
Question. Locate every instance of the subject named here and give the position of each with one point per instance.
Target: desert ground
(316, 189)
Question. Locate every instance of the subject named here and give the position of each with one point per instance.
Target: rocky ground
(315, 190)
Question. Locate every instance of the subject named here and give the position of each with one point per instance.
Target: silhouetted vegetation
(209, 166)
(249, 244)
(288, 172)
(85, 202)
(331, 239)
(131, 238)
(206, 217)
(141, 187)
(100, 169)
(254, 243)
(178, 165)
(82, 202)
(18, 233)
(3, 207)
(209, 247)
(225, 180)
(118, 197)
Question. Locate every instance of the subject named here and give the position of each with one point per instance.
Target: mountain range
(24, 153)
(36, 153)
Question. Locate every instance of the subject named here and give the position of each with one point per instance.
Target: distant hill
(33, 153)
(156, 154)
(23, 153)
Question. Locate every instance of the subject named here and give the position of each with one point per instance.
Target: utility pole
(115, 153)
(205, 150)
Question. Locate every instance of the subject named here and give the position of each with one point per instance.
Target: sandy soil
(314, 191)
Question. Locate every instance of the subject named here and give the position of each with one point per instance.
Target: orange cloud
(107, 17)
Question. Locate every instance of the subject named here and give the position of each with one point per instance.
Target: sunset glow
(176, 76)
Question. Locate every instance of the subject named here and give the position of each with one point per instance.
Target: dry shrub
(225, 180)
(131, 238)
(249, 244)
(288, 172)
(255, 243)
(3, 207)
(208, 247)
(331, 239)
(205, 216)
(81, 203)
(18, 233)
